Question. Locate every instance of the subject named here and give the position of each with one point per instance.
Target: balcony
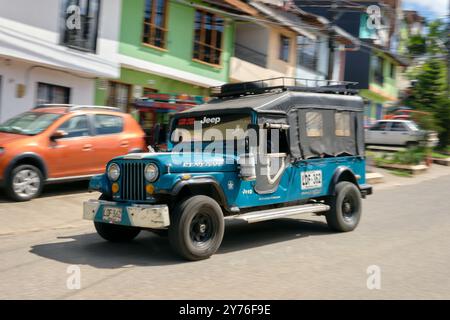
(250, 55)
(250, 65)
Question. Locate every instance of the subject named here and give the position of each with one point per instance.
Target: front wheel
(346, 208)
(116, 233)
(197, 228)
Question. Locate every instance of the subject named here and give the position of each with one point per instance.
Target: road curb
(374, 178)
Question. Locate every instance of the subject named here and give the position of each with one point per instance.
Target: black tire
(346, 208)
(116, 233)
(30, 177)
(197, 228)
(163, 233)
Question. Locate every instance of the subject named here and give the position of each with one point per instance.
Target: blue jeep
(266, 150)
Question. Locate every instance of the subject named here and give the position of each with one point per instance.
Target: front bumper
(142, 216)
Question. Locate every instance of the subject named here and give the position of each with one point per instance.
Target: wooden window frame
(129, 98)
(202, 44)
(153, 27)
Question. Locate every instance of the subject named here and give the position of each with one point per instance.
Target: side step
(270, 214)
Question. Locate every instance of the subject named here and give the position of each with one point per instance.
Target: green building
(168, 47)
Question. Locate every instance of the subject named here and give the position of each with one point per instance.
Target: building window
(314, 124)
(49, 93)
(392, 71)
(119, 95)
(209, 29)
(155, 20)
(284, 48)
(80, 24)
(342, 124)
(307, 52)
(377, 69)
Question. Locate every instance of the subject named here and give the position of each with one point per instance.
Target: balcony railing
(250, 55)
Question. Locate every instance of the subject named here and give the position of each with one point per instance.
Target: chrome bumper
(142, 216)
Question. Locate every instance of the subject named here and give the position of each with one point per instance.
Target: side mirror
(58, 134)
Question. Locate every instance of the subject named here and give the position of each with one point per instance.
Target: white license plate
(112, 215)
(311, 179)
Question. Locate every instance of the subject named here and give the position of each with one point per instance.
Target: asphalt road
(405, 232)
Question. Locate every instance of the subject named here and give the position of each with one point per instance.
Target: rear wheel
(346, 208)
(25, 183)
(197, 228)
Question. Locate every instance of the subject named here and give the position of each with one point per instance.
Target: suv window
(77, 126)
(380, 126)
(398, 126)
(108, 124)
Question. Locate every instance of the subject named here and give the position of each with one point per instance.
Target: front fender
(201, 181)
(101, 184)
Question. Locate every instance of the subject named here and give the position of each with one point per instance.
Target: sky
(430, 9)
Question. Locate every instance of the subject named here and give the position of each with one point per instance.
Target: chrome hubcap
(26, 183)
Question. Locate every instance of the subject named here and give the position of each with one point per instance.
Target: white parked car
(399, 133)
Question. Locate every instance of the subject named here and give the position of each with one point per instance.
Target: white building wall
(14, 72)
(30, 50)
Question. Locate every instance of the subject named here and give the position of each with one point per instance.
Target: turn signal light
(115, 187)
(150, 189)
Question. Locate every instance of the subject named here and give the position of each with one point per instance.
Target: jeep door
(272, 161)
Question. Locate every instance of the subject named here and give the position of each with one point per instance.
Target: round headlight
(114, 172)
(151, 172)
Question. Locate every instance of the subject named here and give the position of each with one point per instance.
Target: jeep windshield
(29, 123)
(208, 128)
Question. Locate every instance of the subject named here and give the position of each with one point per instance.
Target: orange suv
(56, 143)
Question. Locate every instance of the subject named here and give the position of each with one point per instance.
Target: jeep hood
(188, 161)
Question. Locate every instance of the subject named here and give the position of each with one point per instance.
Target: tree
(429, 92)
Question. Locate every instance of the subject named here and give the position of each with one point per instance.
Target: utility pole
(331, 36)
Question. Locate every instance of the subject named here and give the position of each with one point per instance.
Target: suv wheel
(346, 207)
(25, 183)
(197, 228)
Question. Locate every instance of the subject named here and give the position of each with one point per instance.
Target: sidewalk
(391, 180)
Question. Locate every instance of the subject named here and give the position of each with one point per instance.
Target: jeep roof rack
(74, 107)
(283, 84)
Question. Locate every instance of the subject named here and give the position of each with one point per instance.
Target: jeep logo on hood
(206, 120)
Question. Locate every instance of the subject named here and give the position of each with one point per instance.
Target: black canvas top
(282, 101)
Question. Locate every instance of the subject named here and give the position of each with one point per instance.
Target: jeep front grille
(133, 181)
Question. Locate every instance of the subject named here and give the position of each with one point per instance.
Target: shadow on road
(151, 250)
(59, 189)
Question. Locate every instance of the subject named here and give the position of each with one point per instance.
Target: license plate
(112, 215)
(311, 179)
